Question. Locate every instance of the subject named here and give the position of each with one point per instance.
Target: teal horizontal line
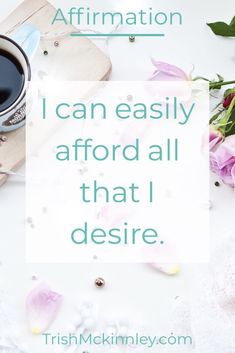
(117, 35)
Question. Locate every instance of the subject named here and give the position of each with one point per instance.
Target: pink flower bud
(228, 100)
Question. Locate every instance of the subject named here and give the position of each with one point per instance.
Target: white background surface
(134, 290)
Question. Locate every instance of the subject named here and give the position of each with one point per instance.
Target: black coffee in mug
(11, 80)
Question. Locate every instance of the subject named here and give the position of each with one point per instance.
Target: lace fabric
(209, 316)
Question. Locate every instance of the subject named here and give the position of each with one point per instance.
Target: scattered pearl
(41, 75)
(89, 323)
(3, 138)
(123, 330)
(99, 282)
(44, 210)
(168, 193)
(86, 312)
(111, 331)
(83, 170)
(77, 320)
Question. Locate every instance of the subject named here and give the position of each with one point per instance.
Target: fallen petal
(170, 70)
(168, 269)
(42, 305)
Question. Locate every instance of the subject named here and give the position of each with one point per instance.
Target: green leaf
(231, 128)
(221, 79)
(232, 23)
(223, 29)
(215, 117)
(201, 78)
(228, 92)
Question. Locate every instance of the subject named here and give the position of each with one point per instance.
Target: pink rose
(222, 160)
(215, 137)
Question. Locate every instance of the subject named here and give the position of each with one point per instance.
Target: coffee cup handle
(28, 38)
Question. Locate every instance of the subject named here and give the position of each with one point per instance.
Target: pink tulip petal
(162, 76)
(42, 306)
(169, 71)
(168, 269)
(169, 266)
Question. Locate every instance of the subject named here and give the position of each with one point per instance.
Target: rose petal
(222, 160)
(168, 269)
(169, 266)
(169, 71)
(42, 306)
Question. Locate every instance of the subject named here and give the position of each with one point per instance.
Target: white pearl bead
(123, 330)
(89, 323)
(71, 329)
(77, 320)
(111, 330)
(85, 313)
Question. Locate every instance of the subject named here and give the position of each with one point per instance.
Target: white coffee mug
(22, 45)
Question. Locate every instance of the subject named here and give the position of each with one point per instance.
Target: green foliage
(223, 29)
